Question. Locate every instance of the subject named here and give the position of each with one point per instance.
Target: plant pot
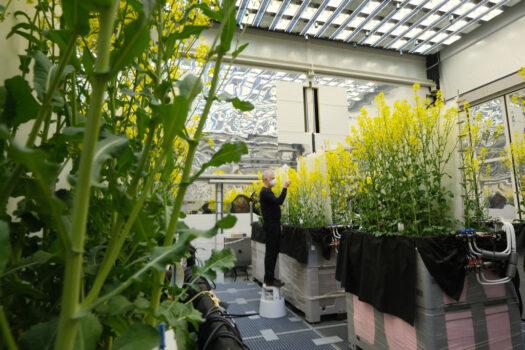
(310, 286)
(484, 317)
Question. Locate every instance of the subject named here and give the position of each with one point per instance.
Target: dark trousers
(272, 231)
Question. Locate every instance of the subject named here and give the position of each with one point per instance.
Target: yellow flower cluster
(307, 203)
(341, 182)
(399, 158)
(475, 134)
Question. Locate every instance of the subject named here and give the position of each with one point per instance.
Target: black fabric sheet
(296, 242)
(445, 257)
(381, 271)
(258, 234)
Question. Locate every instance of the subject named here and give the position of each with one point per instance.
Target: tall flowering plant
(400, 156)
(307, 200)
(515, 154)
(476, 136)
(340, 172)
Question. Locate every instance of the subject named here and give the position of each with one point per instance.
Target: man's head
(268, 178)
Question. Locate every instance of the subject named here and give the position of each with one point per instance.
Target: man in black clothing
(271, 213)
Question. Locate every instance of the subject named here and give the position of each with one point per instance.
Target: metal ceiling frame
(433, 24)
(472, 22)
(371, 16)
(279, 14)
(401, 22)
(344, 25)
(242, 10)
(483, 2)
(416, 23)
(260, 13)
(297, 15)
(386, 19)
(312, 20)
(334, 15)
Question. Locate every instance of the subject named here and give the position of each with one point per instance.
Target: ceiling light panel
(402, 14)
(386, 27)
(452, 39)
(464, 9)
(370, 7)
(372, 39)
(430, 19)
(356, 21)
(308, 13)
(371, 24)
(334, 3)
(491, 15)
(274, 6)
(325, 15)
(449, 5)
(343, 34)
(340, 19)
(283, 24)
(291, 10)
(420, 26)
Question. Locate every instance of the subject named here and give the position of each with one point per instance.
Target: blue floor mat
(286, 333)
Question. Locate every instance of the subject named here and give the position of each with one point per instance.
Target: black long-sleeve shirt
(271, 205)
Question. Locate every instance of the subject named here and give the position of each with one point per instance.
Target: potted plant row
(403, 269)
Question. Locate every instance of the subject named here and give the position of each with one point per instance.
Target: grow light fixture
(404, 25)
(336, 17)
(366, 24)
(427, 32)
(472, 22)
(349, 19)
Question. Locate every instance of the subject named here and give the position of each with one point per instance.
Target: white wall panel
(491, 52)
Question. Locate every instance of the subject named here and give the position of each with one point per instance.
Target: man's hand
(286, 183)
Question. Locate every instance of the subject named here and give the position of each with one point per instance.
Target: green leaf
(235, 101)
(104, 150)
(40, 336)
(186, 32)
(209, 12)
(228, 153)
(179, 316)
(189, 87)
(242, 105)
(230, 24)
(20, 105)
(38, 258)
(36, 161)
(163, 256)
(173, 116)
(89, 333)
(137, 336)
(5, 245)
(116, 306)
(136, 39)
(44, 74)
(75, 14)
(239, 50)
(220, 260)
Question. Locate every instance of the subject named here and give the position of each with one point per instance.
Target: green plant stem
(9, 339)
(43, 112)
(117, 240)
(186, 174)
(68, 324)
